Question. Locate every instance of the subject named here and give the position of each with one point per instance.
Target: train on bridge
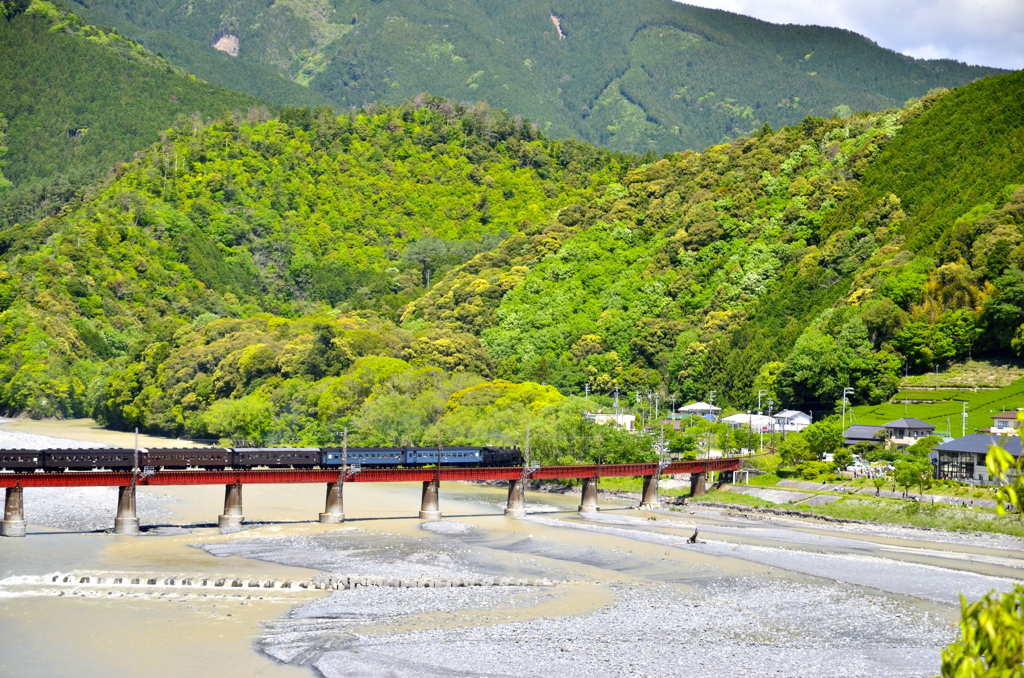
(245, 458)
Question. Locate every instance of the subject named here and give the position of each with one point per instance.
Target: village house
(791, 421)
(1004, 423)
(900, 433)
(623, 421)
(907, 431)
(863, 434)
(709, 412)
(756, 422)
(963, 459)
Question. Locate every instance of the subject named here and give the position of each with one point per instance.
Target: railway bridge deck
(127, 522)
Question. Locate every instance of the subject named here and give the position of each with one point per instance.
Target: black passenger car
(276, 457)
(213, 458)
(88, 460)
(20, 460)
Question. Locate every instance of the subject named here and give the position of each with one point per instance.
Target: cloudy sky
(984, 32)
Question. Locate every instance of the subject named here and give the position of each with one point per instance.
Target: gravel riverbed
(751, 626)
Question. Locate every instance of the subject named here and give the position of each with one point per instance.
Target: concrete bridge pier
(698, 484)
(516, 499)
(13, 524)
(334, 512)
(232, 516)
(126, 522)
(430, 509)
(650, 499)
(588, 503)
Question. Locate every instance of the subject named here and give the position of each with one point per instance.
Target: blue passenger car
(364, 456)
(419, 456)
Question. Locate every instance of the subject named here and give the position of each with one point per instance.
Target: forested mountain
(75, 99)
(432, 269)
(287, 217)
(631, 76)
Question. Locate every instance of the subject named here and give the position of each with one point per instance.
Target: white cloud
(985, 32)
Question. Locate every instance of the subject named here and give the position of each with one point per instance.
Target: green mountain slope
(78, 99)
(833, 254)
(212, 65)
(373, 267)
(287, 217)
(632, 76)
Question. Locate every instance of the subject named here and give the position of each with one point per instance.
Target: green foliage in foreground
(991, 643)
(991, 640)
(77, 99)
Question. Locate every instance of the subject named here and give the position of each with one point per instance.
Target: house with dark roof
(963, 459)
(907, 431)
(863, 434)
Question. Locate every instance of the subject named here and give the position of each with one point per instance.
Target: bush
(809, 470)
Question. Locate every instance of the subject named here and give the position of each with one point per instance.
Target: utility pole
(760, 426)
(963, 421)
(771, 407)
(846, 391)
(586, 390)
(906, 392)
(344, 454)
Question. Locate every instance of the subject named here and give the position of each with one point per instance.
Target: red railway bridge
(127, 522)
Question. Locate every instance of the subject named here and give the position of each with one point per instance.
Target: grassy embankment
(882, 509)
(889, 511)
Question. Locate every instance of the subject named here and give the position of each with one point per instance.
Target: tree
(246, 420)
(842, 458)
(794, 450)
(823, 437)
(991, 643)
(879, 482)
(913, 472)
(682, 446)
(1010, 473)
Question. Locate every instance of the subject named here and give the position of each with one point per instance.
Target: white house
(756, 422)
(709, 412)
(624, 421)
(792, 421)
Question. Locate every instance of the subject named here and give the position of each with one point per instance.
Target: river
(624, 593)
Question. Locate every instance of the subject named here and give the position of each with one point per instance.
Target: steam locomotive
(243, 458)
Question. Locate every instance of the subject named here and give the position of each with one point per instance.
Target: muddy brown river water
(622, 593)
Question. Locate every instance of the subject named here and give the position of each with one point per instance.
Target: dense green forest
(76, 99)
(631, 76)
(433, 269)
